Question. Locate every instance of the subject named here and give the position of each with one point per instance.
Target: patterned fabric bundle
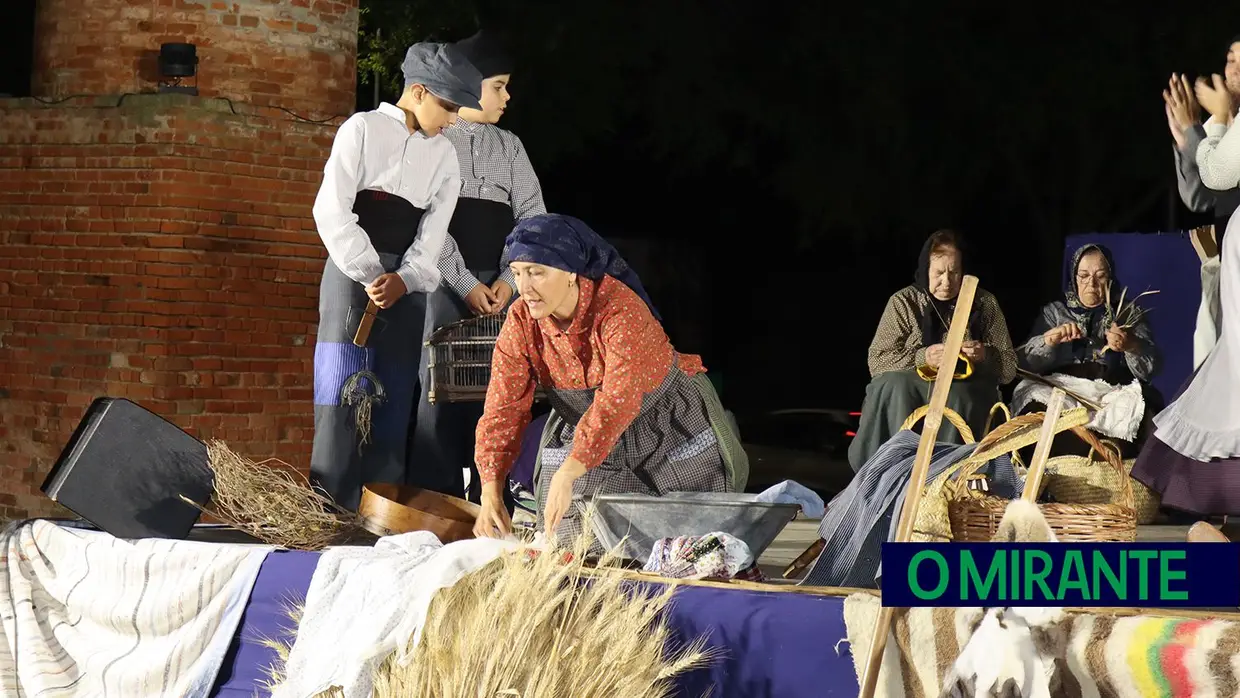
(712, 556)
(1089, 655)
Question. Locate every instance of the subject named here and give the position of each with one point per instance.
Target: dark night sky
(810, 149)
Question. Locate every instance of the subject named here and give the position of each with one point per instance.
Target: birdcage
(460, 359)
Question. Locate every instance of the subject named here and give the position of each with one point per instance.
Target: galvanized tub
(645, 519)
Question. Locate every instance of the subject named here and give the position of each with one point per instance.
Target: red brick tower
(160, 247)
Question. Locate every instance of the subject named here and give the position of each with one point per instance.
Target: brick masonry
(296, 54)
(160, 248)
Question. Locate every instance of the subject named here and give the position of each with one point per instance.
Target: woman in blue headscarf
(630, 414)
(1080, 345)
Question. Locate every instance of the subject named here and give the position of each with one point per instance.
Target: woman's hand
(934, 356)
(1118, 339)
(560, 493)
(493, 521)
(974, 351)
(1213, 95)
(1067, 332)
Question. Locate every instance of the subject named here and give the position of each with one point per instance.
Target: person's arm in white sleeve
(347, 244)
(419, 267)
(1218, 157)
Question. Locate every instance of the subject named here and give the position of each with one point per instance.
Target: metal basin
(645, 519)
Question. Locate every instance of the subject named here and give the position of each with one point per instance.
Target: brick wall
(159, 248)
(296, 54)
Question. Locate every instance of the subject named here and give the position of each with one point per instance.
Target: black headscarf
(937, 317)
(487, 54)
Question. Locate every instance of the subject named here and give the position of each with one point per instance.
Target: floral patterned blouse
(613, 344)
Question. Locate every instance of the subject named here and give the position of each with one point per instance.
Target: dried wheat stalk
(272, 502)
(537, 626)
(1126, 316)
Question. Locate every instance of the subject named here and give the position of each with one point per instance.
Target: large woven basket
(933, 523)
(975, 517)
(1083, 480)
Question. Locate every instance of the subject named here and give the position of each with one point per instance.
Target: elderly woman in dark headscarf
(1080, 345)
(907, 350)
(630, 413)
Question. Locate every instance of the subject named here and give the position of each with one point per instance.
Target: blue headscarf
(566, 243)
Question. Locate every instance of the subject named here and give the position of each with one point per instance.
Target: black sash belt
(479, 228)
(390, 221)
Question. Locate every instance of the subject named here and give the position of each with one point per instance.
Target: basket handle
(1110, 453)
(957, 421)
(998, 407)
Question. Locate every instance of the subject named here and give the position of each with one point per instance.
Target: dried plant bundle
(272, 502)
(540, 625)
(1126, 315)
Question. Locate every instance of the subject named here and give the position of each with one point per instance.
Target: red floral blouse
(613, 344)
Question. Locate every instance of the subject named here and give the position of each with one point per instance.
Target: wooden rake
(921, 468)
(1033, 479)
(938, 400)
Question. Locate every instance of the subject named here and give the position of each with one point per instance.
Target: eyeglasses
(1101, 277)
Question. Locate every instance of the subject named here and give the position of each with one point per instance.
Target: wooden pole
(1033, 479)
(921, 468)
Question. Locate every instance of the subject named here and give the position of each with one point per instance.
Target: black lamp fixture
(177, 62)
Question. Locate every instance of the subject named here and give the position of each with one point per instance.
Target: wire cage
(460, 359)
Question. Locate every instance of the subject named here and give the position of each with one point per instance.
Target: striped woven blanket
(85, 614)
(1086, 655)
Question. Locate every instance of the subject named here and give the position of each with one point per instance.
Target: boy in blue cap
(389, 190)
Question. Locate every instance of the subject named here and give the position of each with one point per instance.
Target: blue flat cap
(445, 71)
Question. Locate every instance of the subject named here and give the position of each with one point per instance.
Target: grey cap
(444, 71)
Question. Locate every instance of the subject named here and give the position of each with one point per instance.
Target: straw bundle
(533, 625)
(272, 502)
(537, 627)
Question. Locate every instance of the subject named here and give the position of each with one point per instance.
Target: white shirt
(375, 150)
(1218, 156)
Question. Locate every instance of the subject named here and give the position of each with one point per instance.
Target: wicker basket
(1017, 462)
(975, 517)
(1080, 480)
(460, 359)
(932, 523)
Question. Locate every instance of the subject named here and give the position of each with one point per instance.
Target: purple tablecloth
(773, 644)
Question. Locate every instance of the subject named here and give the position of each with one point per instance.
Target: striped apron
(339, 463)
(679, 442)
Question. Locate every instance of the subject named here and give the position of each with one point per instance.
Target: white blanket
(83, 613)
(365, 603)
(1123, 407)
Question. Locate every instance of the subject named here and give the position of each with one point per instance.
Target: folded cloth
(712, 556)
(83, 613)
(789, 492)
(365, 603)
(1123, 407)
